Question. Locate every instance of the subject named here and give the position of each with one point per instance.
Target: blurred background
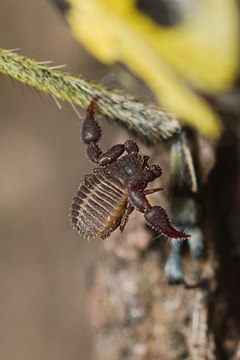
(45, 266)
(43, 262)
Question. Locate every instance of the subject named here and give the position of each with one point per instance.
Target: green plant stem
(148, 122)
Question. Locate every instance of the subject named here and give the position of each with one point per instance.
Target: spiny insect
(106, 198)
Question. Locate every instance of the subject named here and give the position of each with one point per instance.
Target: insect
(106, 198)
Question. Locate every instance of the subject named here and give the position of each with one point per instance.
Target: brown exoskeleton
(105, 199)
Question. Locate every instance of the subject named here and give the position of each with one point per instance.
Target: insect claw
(157, 218)
(92, 107)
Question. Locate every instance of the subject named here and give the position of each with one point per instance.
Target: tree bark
(138, 315)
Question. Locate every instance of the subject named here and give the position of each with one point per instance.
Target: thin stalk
(147, 121)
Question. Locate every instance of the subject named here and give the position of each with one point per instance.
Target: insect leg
(151, 191)
(113, 227)
(129, 209)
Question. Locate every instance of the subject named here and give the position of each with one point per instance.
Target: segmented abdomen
(98, 203)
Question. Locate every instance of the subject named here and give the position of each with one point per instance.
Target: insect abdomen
(98, 203)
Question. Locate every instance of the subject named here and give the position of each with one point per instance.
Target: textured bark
(222, 204)
(138, 315)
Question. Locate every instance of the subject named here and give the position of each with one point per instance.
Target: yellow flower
(196, 54)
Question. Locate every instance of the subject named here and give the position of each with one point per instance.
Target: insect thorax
(125, 167)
